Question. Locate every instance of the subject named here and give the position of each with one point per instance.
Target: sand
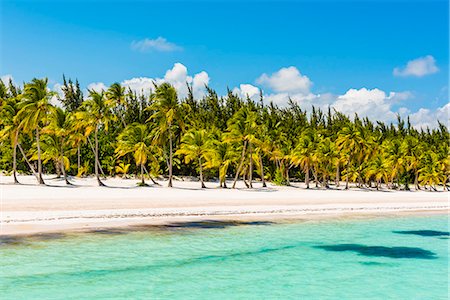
(31, 209)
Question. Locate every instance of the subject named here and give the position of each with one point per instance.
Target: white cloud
(286, 80)
(159, 44)
(97, 87)
(177, 76)
(5, 78)
(418, 67)
(428, 118)
(247, 90)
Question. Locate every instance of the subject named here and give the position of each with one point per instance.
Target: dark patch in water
(107, 231)
(424, 232)
(372, 263)
(8, 240)
(381, 251)
(212, 224)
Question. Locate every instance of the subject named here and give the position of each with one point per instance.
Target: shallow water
(394, 258)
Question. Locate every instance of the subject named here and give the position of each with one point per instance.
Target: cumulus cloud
(286, 80)
(428, 118)
(6, 78)
(418, 67)
(97, 87)
(177, 76)
(159, 44)
(247, 90)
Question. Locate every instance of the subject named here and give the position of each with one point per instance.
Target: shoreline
(32, 209)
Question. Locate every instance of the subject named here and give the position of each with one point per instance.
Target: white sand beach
(28, 208)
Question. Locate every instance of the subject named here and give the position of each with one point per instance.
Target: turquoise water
(401, 258)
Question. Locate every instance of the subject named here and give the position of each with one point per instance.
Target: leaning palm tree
(34, 113)
(167, 114)
(195, 146)
(95, 113)
(136, 139)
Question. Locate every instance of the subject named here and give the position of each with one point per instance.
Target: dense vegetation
(120, 132)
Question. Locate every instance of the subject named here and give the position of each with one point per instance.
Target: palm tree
(349, 141)
(195, 146)
(137, 139)
(95, 113)
(303, 154)
(116, 94)
(59, 128)
(11, 128)
(378, 169)
(167, 113)
(34, 113)
(242, 129)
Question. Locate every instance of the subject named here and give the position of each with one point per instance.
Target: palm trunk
(201, 172)
(40, 180)
(78, 158)
(262, 171)
(337, 176)
(142, 175)
(28, 162)
(16, 137)
(151, 178)
(170, 158)
(62, 165)
(240, 164)
(250, 179)
(97, 162)
(307, 176)
(416, 180)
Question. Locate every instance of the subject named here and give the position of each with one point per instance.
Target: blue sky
(337, 45)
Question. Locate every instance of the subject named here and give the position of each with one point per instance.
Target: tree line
(155, 133)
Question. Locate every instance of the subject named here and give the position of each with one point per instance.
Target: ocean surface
(389, 258)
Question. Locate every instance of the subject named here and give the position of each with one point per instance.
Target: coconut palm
(59, 128)
(136, 139)
(195, 147)
(349, 142)
(303, 154)
(95, 114)
(116, 94)
(34, 113)
(242, 130)
(10, 128)
(166, 112)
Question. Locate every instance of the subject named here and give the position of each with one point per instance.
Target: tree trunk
(416, 180)
(40, 180)
(240, 164)
(28, 162)
(16, 137)
(78, 158)
(250, 175)
(150, 176)
(142, 175)
(307, 176)
(337, 179)
(97, 162)
(62, 165)
(170, 158)
(201, 173)
(262, 171)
